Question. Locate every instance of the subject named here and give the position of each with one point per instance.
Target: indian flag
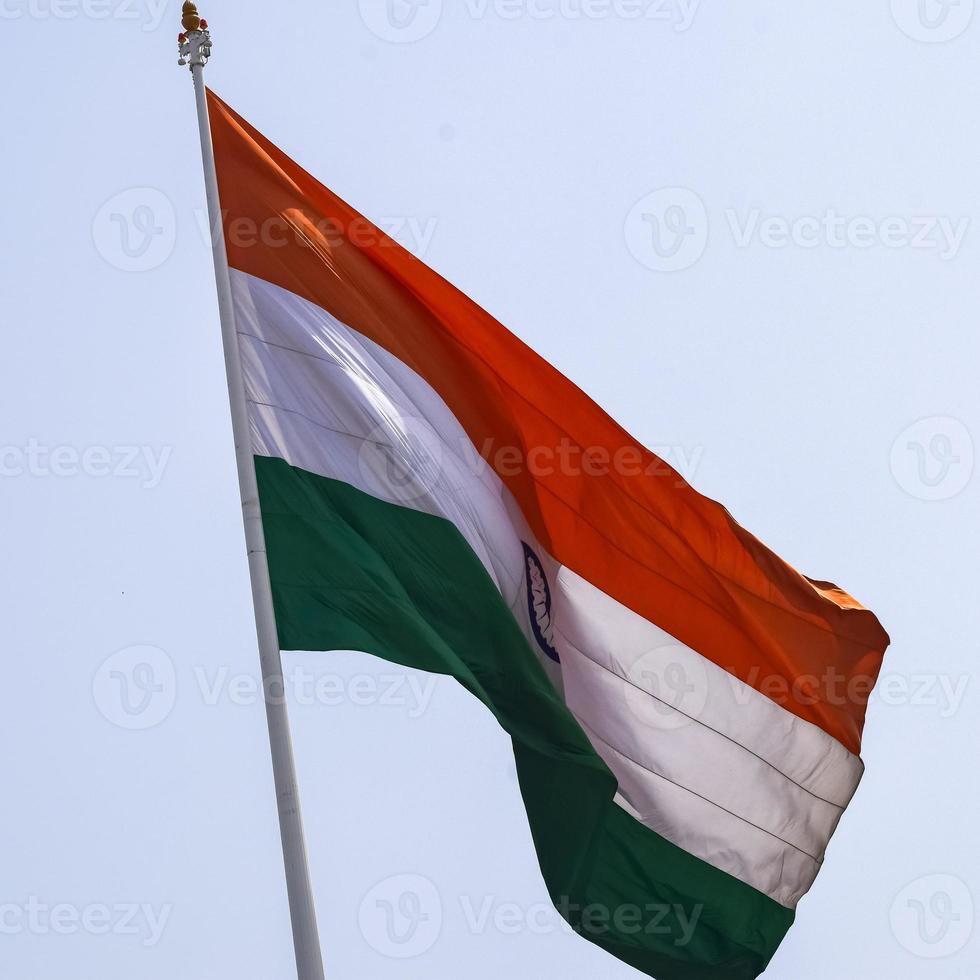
(685, 708)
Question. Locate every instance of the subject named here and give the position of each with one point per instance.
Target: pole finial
(194, 43)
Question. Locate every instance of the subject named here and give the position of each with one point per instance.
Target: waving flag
(685, 708)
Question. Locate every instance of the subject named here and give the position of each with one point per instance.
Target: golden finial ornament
(191, 19)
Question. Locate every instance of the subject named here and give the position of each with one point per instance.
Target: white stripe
(642, 657)
(702, 758)
(663, 718)
(702, 828)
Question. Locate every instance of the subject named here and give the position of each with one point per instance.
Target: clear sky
(796, 327)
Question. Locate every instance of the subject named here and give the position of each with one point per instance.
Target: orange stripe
(650, 541)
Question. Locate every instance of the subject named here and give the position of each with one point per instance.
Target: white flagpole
(195, 49)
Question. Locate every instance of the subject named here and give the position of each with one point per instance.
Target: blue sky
(747, 230)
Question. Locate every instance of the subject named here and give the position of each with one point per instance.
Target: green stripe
(350, 572)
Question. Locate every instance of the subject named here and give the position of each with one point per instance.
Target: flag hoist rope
(195, 49)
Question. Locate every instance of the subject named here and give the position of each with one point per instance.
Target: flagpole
(195, 49)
